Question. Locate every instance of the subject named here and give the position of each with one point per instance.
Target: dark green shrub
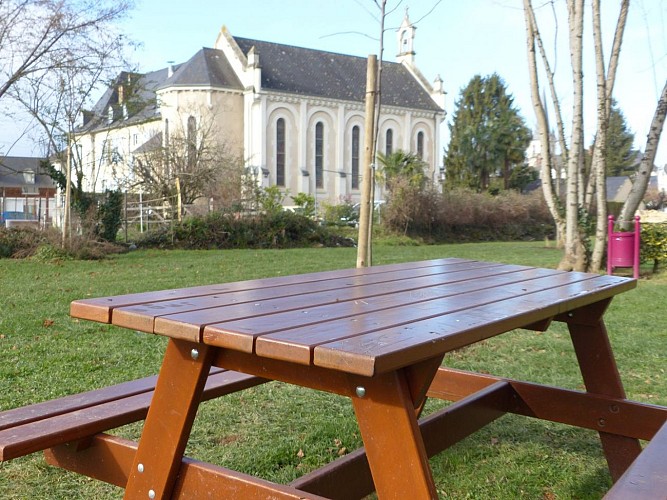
(110, 215)
(274, 229)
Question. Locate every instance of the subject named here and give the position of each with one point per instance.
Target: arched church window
(355, 157)
(192, 141)
(389, 142)
(280, 152)
(420, 144)
(319, 155)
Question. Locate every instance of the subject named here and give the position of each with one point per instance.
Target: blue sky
(455, 39)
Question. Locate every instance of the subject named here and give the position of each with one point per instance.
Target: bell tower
(406, 39)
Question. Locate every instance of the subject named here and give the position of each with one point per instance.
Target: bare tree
(640, 184)
(577, 207)
(190, 164)
(39, 36)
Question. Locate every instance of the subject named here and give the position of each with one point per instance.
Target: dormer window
(28, 176)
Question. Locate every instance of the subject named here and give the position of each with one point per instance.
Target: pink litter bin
(623, 248)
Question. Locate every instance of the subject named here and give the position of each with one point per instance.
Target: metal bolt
(602, 422)
(570, 315)
(151, 493)
(195, 354)
(614, 408)
(361, 391)
(140, 467)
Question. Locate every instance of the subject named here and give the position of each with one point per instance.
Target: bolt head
(140, 467)
(361, 391)
(151, 493)
(194, 354)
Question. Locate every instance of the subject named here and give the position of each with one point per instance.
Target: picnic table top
(362, 321)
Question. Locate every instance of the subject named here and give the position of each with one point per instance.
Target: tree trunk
(646, 166)
(542, 122)
(605, 86)
(575, 257)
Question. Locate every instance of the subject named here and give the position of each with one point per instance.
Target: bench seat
(40, 426)
(646, 478)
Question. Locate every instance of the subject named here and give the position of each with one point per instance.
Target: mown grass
(278, 431)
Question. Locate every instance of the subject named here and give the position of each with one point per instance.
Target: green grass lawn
(279, 432)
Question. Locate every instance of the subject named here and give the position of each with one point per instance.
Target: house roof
(14, 168)
(614, 185)
(302, 71)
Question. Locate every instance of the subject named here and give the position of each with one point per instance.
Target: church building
(295, 115)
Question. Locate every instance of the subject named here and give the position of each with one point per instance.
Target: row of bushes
(281, 229)
(462, 215)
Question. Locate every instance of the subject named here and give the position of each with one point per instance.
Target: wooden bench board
(43, 425)
(646, 478)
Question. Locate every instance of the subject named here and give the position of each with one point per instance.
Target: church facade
(295, 115)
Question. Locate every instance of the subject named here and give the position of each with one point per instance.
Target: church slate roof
(311, 72)
(285, 68)
(207, 67)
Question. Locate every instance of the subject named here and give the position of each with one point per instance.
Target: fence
(42, 211)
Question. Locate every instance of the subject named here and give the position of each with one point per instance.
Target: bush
(654, 243)
(45, 245)
(274, 229)
(463, 215)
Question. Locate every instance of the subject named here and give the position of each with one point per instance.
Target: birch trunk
(646, 166)
(605, 86)
(542, 122)
(575, 257)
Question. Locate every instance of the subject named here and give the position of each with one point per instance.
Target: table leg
(600, 374)
(394, 445)
(169, 420)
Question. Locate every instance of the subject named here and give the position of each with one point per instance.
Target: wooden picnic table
(377, 335)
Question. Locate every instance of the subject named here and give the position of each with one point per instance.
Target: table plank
(290, 336)
(100, 309)
(387, 349)
(186, 318)
(240, 333)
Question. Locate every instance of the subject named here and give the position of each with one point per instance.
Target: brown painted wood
(646, 478)
(273, 310)
(349, 476)
(580, 409)
(600, 374)
(386, 347)
(33, 428)
(392, 439)
(110, 459)
(100, 309)
(267, 300)
(169, 420)
(384, 329)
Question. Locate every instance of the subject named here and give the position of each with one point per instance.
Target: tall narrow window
(420, 144)
(165, 139)
(192, 142)
(389, 142)
(355, 157)
(280, 152)
(166, 133)
(319, 155)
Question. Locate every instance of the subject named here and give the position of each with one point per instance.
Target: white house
(296, 115)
